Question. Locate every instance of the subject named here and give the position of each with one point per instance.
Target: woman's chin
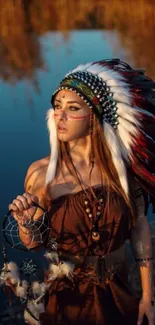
(63, 137)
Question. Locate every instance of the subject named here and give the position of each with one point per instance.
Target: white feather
(9, 273)
(51, 170)
(110, 75)
(66, 268)
(29, 319)
(121, 91)
(96, 69)
(60, 270)
(81, 67)
(4, 275)
(38, 289)
(54, 272)
(105, 72)
(115, 83)
(53, 256)
(121, 98)
(12, 267)
(127, 113)
(13, 275)
(131, 128)
(112, 78)
(123, 149)
(126, 139)
(114, 147)
(36, 309)
(21, 291)
(129, 109)
(25, 284)
(41, 307)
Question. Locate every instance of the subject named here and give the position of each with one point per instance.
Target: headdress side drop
(123, 99)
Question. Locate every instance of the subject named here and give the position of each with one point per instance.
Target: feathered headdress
(124, 101)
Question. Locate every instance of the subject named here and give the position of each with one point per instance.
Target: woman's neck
(80, 150)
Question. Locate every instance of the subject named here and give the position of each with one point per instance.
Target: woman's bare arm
(34, 190)
(142, 250)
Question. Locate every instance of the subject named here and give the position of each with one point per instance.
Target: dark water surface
(23, 133)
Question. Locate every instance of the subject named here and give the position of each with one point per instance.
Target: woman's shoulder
(137, 192)
(35, 174)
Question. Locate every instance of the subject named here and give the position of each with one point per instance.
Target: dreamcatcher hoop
(10, 230)
(25, 281)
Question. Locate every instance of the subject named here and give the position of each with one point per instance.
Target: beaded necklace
(89, 204)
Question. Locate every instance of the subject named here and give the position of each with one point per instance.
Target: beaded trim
(95, 234)
(95, 93)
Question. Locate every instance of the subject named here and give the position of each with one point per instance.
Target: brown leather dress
(85, 299)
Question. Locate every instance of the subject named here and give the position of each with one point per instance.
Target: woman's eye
(57, 107)
(74, 108)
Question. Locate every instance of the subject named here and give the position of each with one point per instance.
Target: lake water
(23, 132)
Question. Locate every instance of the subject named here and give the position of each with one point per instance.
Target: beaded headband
(123, 99)
(94, 92)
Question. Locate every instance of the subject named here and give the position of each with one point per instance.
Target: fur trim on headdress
(54, 147)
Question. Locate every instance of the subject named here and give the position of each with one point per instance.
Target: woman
(102, 157)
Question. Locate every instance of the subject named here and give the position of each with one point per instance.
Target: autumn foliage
(23, 21)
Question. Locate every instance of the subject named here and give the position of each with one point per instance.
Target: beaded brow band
(94, 91)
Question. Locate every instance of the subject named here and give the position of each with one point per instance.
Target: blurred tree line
(23, 21)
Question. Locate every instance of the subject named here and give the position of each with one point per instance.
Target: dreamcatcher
(38, 228)
(25, 280)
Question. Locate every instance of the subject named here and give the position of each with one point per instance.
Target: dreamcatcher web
(28, 267)
(36, 229)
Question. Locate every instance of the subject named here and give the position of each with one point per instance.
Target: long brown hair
(105, 164)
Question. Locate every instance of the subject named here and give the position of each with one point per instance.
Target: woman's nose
(63, 115)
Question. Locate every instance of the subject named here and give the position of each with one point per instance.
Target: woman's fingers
(13, 207)
(19, 204)
(23, 202)
(31, 198)
(140, 315)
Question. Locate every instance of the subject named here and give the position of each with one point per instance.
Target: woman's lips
(61, 129)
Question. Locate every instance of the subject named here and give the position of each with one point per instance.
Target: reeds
(23, 21)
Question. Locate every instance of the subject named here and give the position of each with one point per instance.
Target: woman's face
(72, 116)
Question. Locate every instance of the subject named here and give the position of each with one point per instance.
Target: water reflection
(23, 21)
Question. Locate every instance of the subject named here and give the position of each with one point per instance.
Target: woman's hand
(146, 308)
(23, 208)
